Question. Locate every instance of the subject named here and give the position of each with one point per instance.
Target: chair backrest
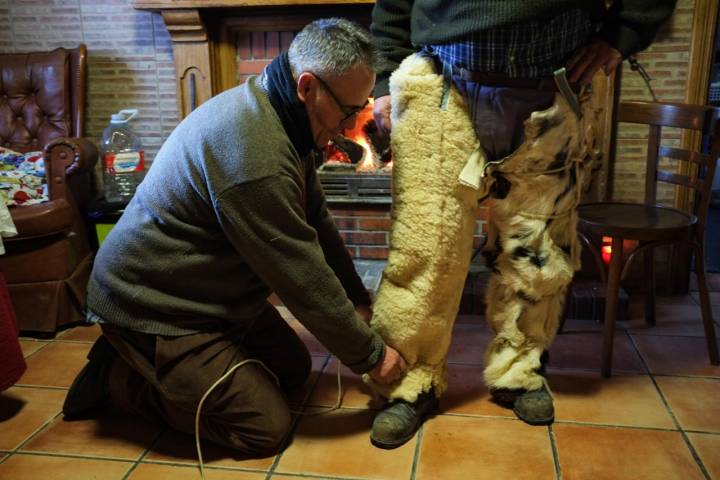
(42, 97)
(701, 118)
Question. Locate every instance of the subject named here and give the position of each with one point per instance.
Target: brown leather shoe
(90, 389)
(399, 421)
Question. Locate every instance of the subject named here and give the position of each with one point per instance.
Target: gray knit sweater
(227, 214)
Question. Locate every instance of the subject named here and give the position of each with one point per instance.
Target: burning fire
(364, 135)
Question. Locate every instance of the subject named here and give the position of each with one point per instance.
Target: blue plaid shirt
(526, 50)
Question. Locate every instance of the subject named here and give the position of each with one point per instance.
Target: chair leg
(705, 306)
(611, 304)
(649, 258)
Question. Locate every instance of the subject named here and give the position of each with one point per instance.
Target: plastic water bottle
(123, 158)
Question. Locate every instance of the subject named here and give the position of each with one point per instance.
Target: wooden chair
(651, 224)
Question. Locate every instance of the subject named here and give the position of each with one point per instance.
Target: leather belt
(490, 79)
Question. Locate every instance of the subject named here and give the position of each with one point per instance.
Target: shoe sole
(535, 423)
(391, 446)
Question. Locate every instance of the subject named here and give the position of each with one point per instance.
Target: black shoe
(399, 421)
(90, 389)
(535, 407)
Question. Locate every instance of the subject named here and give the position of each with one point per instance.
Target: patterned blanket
(22, 178)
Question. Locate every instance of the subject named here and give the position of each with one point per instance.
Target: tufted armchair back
(41, 97)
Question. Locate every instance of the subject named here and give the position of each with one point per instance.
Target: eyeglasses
(347, 110)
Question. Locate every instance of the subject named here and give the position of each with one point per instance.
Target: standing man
(500, 56)
(230, 212)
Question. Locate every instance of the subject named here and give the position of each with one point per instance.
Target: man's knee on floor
(265, 436)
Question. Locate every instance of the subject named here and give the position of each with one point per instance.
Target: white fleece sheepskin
(433, 224)
(531, 230)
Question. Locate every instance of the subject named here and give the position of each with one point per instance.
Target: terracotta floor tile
(153, 471)
(670, 320)
(82, 333)
(573, 325)
(176, 447)
(338, 445)
(708, 447)
(623, 399)
(355, 393)
(676, 355)
(468, 343)
(29, 346)
(694, 401)
(299, 395)
(714, 298)
(467, 393)
(300, 477)
(484, 448)
(622, 453)
(312, 343)
(41, 467)
(470, 319)
(56, 365)
(111, 435)
(582, 350)
(25, 409)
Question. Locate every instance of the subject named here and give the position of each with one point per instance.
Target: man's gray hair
(332, 46)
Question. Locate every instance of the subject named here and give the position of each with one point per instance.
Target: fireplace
(357, 165)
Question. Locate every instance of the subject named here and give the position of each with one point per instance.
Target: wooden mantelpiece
(204, 34)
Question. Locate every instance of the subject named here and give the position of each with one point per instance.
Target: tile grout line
(144, 453)
(319, 477)
(416, 454)
(688, 444)
(34, 434)
(74, 455)
(46, 343)
(555, 453)
(296, 422)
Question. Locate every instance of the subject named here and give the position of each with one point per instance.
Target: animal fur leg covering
(535, 241)
(434, 219)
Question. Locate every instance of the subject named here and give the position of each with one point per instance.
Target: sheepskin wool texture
(532, 240)
(433, 224)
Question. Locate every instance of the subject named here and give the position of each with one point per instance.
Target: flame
(367, 163)
(606, 249)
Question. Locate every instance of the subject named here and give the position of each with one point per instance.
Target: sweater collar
(282, 92)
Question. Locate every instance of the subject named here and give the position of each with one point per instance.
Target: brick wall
(130, 62)
(131, 66)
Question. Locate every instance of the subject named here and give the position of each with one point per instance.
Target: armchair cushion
(22, 178)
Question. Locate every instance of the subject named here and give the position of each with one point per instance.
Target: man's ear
(305, 86)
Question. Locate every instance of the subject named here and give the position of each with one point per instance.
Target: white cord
(337, 405)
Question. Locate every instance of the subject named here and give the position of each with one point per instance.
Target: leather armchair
(47, 265)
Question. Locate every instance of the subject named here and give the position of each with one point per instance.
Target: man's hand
(590, 58)
(390, 368)
(381, 113)
(364, 313)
